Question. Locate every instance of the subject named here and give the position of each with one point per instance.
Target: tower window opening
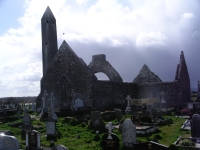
(47, 21)
(46, 43)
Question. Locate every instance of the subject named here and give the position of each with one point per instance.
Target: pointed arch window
(64, 89)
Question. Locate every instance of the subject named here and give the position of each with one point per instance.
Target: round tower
(49, 38)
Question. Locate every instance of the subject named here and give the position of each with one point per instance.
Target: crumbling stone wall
(146, 90)
(99, 64)
(107, 94)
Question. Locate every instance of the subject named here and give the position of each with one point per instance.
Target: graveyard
(76, 111)
(77, 131)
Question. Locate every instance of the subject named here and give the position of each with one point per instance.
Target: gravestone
(195, 124)
(8, 143)
(52, 100)
(149, 146)
(110, 141)
(109, 127)
(150, 108)
(157, 113)
(19, 110)
(44, 109)
(50, 125)
(136, 117)
(26, 122)
(44, 104)
(128, 133)
(163, 102)
(118, 114)
(128, 108)
(59, 147)
(33, 107)
(33, 140)
(96, 119)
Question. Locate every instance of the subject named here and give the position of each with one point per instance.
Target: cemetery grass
(167, 134)
(68, 131)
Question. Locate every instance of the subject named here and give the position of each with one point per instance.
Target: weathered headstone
(50, 125)
(33, 140)
(128, 108)
(19, 110)
(96, 118)
(150, 108)
(128, 133)
(33, 107)
(110, 141)
(195, 124)
(78, 103)
(60, 147)
(26, 122)
(136, 117)
(44, 109)
(118, 114)
(8, 143)
(163, 102)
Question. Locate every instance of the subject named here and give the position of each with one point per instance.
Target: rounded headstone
(195, 123)
(128, 133)
(60, 147)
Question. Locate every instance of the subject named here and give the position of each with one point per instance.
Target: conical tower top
(48, 13)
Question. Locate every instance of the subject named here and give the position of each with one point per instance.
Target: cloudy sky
(130, 33)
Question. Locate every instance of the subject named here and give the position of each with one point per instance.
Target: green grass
(166, 134)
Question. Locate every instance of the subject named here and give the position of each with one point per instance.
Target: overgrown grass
(68, 131)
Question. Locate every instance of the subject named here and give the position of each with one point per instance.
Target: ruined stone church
(73, 82)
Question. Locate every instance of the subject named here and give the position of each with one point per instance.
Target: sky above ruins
(130, 34)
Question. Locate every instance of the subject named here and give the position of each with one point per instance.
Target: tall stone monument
(44, 110)
(162, 102)
(128, 108)
(50, 125)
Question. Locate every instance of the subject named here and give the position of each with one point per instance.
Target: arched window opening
(102, 76)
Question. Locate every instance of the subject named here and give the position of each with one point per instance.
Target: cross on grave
(128, 98)
(52, 98)
(109, 127)
(149, 145)
(162, 94)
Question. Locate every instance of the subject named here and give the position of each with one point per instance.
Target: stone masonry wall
(107, 94)
(146, 90)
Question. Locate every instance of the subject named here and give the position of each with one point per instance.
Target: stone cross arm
(109, 127)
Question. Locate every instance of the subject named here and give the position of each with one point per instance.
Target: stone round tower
(49, 38)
